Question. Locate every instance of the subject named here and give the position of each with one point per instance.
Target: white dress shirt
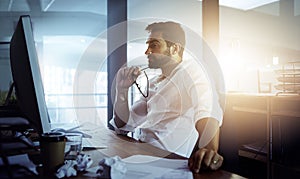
(173, 107)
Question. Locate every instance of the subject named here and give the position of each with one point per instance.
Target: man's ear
(175, 49)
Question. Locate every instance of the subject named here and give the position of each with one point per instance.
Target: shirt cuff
(121, 131)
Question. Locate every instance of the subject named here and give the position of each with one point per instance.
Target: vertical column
(210, 27)
(116, 46)
(286, 22)
(210, 49)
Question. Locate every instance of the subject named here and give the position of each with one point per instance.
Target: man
(181, 106)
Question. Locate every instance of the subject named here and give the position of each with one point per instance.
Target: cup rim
(53, 137)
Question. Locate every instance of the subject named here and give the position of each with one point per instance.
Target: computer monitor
(27, 77)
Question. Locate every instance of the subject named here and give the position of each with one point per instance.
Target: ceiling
(94, 6)
(245, 4)
(99, 6)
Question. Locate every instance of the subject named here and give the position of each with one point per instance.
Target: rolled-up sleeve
(205, 99)
(135, 119)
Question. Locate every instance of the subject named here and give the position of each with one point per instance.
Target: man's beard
(159, 60)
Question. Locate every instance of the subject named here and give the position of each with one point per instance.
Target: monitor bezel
(27, 76)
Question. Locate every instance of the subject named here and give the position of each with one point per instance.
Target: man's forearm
(214, 142)
(208, 130)
(121, 109)
(207, 153)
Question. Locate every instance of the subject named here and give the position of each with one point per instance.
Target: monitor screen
(27, 77)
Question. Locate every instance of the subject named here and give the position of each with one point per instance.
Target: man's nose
(148, 51)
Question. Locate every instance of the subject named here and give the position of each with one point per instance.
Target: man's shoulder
(188, 62)
(192, 66)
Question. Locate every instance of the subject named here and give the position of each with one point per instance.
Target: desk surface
(125, 146)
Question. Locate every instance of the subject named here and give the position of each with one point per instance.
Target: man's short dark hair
(172, 32)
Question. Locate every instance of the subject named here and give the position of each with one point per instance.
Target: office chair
(14, 141)
(14, 130)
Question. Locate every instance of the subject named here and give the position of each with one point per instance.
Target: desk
(124, 147)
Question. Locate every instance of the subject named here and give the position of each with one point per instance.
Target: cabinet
(266, 133)
(243, 135)
(285, 137)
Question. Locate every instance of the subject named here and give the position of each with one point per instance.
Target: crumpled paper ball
(71, 167)
(67, 169)
(83, 162)
(112, 167)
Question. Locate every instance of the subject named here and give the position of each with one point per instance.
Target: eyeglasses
(147, 88)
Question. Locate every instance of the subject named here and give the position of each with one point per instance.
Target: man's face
(157, 52)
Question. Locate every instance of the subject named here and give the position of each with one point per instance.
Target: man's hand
(126, 77)
(205, 159)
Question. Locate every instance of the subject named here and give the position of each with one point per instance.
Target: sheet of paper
(161, 167)
(88, 143)
(149, 167)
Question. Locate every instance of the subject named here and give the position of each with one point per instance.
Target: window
(66, 71)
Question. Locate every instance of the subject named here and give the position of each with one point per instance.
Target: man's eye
(154, 45)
